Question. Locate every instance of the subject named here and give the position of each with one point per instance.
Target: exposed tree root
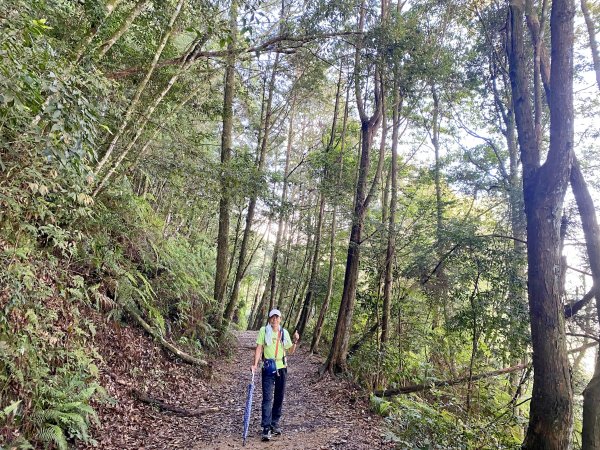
(171, 408)
(163, 342)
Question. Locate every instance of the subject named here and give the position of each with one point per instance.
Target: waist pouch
(270, 366)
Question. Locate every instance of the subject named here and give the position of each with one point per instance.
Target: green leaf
(11, 408)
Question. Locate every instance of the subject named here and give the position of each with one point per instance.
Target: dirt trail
(317, 414)
(325, 413)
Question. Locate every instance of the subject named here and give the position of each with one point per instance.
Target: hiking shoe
(275, 430)
(266, 434)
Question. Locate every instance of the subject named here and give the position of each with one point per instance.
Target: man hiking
(271, 345)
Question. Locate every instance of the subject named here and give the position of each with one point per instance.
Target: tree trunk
(336, 361)
(234, 247)
(254, 307)
(135, 11)
(226, 150)
(138, 93)
(391, 240)
(591, 28)
(302, 280)
(261, 157)
(307, 305)
(325, 306)
(591, 231)
(272, 280)
(93, 31)
(544, 187)
(337, 357)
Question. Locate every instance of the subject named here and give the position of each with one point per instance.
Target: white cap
(274, 312)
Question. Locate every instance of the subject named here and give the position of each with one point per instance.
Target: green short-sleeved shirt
(269, 348)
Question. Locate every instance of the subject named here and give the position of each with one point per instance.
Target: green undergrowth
(426, 424)
(63, 252)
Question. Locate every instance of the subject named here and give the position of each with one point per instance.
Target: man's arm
(295, 340)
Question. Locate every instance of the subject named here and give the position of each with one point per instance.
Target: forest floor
(318, 412)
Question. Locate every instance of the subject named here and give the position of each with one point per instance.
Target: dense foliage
(114, 173)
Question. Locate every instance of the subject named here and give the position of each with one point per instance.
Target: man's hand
(296, 337)
(254, 368)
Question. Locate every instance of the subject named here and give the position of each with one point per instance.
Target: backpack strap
(277, 344)
(280, 336)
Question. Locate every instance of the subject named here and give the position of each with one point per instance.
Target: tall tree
(591, 230)
(268, 297)
(264, 135)
(336, 361)
(544, 187)
(310, 293)
(329, 291)
(391, 231)
(591, 395)
(226, 143)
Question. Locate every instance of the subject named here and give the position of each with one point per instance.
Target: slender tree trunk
(93, 31)
(260, 279)
(591, 28)
(285, 280)
(544, 187)
(142, 153)
(391, 240)
(135, 11)
(336, 361)
(307, 305)
(591, 231)
(234, 249)
(262, 154)
(141, 125)
(301, 278)
(440, 286)
(272, 282)
(226, 150)
(138, 93)
(325, 306)
(310, 293)
(591, 394)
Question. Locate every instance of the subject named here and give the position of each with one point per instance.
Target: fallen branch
(494, 373)
(171, 408)
(163, 342)
(435, 384)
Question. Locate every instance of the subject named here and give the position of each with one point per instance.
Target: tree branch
(424, 387)
(267, 45)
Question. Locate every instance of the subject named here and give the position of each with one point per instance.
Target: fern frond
(55, 434)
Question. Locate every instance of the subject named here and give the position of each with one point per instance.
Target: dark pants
(271, 404)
